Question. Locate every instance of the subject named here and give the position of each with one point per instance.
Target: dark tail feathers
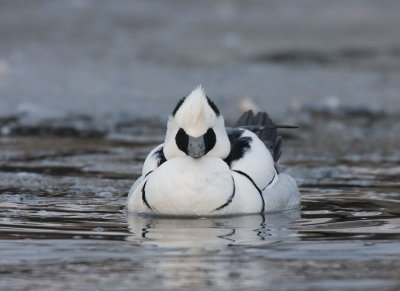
(265, 129)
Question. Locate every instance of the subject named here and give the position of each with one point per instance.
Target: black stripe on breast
(276, 168)
(144, 196)
(255, 185)
(148, 174)
(230, 198)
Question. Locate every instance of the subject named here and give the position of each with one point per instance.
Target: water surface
(64, 224)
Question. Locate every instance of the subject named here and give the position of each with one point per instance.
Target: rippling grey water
(64, 224)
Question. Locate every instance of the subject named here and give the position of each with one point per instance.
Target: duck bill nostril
(196, 147)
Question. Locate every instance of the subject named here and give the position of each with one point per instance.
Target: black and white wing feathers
(266, 130)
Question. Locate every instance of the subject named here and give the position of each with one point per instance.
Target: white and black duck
(205, 169)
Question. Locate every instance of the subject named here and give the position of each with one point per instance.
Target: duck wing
(250, 158)
(266, 130)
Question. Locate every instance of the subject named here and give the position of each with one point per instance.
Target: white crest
(195, 116)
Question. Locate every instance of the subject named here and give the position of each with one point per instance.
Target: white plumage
(204, 169)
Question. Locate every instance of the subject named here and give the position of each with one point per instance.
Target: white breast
(184, 186)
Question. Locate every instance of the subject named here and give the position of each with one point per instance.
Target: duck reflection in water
(212, 231)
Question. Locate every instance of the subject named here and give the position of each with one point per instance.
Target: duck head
(196, 129)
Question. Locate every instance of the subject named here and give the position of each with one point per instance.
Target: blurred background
(106, 62)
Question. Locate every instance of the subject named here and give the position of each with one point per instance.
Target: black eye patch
(210, 139)
(182, 140)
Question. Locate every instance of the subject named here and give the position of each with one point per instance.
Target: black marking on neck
(255, 185)
(180, 102)
(213, 106)
(159, 155)
(230, 198)
(239, 145)
(144, 196)
(209, 140)
(270, 182)
(182, 140)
